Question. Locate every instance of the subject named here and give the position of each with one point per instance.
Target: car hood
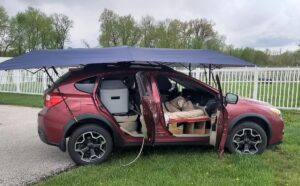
(248, 105)
(253, 101)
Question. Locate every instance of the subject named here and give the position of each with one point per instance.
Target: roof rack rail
(130, 65)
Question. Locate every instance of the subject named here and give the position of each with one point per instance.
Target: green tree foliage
(265, 58)
(4, 31)
(118, 30)
(31, 30)
(171, 33)
(61, 25)
(148, 32)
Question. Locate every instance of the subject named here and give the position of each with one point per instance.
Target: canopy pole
(55, 71)
(34, 71)
(209, 73)
(205, 73)
(213, 78)
(190, 69)
(59, 92)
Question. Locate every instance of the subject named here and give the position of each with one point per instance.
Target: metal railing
(277, 86)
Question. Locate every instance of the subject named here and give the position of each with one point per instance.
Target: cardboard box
(188, 128)
(199, 128)
(174, 129)
(172, 125)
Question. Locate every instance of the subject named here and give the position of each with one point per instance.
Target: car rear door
(148, 109)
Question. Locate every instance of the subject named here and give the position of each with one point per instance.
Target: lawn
(279, 165)
(21, 99)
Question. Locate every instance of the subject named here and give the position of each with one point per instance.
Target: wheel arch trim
(81, 120)
(250, 116)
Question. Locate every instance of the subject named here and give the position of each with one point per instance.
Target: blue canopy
(75, 57)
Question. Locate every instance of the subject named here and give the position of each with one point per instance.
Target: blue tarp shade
(74, 57)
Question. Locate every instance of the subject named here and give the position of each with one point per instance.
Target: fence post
(255, 86)
(198, 73)
(16, 77)
(44, 81)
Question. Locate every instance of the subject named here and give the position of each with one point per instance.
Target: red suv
(93, 109)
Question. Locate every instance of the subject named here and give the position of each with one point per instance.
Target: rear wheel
(90, 144)
(247, 138)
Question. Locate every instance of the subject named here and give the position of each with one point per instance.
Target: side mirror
(231, 98)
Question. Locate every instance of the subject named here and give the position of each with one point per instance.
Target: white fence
(277, 86)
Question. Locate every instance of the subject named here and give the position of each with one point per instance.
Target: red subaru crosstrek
(91, 110)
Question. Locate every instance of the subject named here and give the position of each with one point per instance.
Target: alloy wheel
(247, 141)
(90, 146)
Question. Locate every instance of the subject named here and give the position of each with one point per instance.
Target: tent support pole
(190, 69)
(55, 71)
(209, 73)
(59, 92)
(34, 71)
(205, 73)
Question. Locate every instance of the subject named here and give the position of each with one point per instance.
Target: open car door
(220, 130)
(147, 106)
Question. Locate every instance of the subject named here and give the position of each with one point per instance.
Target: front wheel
(90, 144)
(247, 138)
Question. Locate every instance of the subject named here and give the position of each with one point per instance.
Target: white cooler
(114, 95)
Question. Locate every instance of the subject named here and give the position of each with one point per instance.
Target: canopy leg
(55, 71)
(209, 74)
(205, 73)
(59, 92)
(190, 69)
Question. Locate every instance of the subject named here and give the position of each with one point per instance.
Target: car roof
(97, 69)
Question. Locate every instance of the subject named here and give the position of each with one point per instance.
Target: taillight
(51, 100)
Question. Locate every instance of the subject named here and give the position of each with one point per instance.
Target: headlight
(276, 111)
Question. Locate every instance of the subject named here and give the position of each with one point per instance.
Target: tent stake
(59, 92)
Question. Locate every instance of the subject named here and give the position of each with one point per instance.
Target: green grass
(279, 165)
(21, 99)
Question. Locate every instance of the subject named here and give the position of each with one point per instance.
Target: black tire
(247, 138)
(93, 145)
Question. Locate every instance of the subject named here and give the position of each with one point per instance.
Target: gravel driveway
(23, 157)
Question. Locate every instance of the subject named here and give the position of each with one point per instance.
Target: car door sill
(191, 135)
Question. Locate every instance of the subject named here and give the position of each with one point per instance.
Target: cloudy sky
(272, 24)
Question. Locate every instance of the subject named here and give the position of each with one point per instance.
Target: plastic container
(114, 95)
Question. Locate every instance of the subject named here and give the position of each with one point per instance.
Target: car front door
(222, 125)
(147, 105)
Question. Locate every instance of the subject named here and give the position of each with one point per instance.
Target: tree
(118, 30)
(203, 34)
(62, 25)
(174, 37)
(128, 31)
(5, 39)
(32, 29)
(148, 32)
(108, 28)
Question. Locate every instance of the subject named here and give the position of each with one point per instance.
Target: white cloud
(262, 24)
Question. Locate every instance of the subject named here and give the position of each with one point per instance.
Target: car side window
(86, 85)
